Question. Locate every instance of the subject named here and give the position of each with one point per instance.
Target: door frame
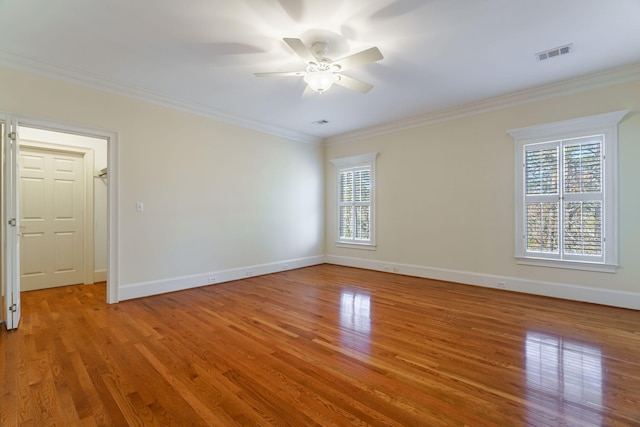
(88, 217)
(113, 263)
(2, 221)
(10, 207)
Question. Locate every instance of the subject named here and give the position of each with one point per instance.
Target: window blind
(564, 198)
(355, 204)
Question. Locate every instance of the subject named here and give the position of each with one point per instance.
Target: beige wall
(445, 193)
(220, 197)
(216, 196)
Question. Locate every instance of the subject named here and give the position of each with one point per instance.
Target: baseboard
(100, 276)
(557, 290)
(145, 289)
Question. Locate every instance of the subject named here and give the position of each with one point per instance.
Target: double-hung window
(355, 208)
(566, 193)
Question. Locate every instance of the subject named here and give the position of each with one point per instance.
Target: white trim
(570, 264)
(567, 128)
(594, 81)
(354, 245)
(113, 271)
(99, 276)
(352, 161)
(581, 84)
(551, 289)
(554, 134)
(156, 287)
(97, 82)
(367, 160)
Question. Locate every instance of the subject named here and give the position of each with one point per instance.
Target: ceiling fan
(322, 72)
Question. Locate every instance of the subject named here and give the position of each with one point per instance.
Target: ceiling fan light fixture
(321, 81)
(322, 72)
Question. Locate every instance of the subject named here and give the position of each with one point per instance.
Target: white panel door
(11, 306)
(51, 218)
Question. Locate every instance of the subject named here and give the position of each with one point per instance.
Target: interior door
(51, 217)
(12, 306)
(2, 223)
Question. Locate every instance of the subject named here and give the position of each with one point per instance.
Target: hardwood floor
(324, 345)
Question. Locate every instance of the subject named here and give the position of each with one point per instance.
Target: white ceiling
(201, 54)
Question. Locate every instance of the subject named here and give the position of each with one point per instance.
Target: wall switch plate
(139, 207)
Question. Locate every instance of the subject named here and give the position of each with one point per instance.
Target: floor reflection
(564, 378)
(355, 320)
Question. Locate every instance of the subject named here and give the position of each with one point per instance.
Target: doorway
(101, 178)
(61, 191)
(57, 211)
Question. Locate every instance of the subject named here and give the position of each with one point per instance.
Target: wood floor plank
(323, 345)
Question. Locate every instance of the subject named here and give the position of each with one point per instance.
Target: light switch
(139, 207)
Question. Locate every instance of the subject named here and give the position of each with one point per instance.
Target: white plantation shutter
(355, 201)
(583, 165)
(583, 197)
(541, 198)
(542, 227)
(566, 193)
(355, 204)
(564, 197)
(345, 205)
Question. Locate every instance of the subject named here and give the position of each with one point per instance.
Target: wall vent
(552, 53)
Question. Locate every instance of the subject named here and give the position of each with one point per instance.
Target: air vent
(320, 122)
(552, 53)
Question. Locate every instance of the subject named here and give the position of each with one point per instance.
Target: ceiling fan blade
(300, 49)
(353, 84)
(281, 74)
(364, 57)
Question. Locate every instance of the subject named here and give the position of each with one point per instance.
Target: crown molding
(593, 81)
(94, 81)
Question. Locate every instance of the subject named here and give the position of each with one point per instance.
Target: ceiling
(201, 54)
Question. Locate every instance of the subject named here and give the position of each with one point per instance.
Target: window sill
(572, 265)
(365, 246)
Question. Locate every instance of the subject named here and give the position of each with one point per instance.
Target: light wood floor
(324, 345)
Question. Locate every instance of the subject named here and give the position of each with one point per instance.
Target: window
(566, 192)
(355, 208)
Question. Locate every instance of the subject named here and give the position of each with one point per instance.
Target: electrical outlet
(500, 284)
(387, 268)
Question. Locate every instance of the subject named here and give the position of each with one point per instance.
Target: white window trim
(605, 124)
(342, 163)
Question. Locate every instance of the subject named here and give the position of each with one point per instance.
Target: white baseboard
(557, 290)
(145, 289)
(100, 276)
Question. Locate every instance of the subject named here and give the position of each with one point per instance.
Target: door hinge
(12, 222)
(13, 308)
(12, 136)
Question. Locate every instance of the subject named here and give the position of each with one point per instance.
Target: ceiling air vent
(552, 53)
(320, 122)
